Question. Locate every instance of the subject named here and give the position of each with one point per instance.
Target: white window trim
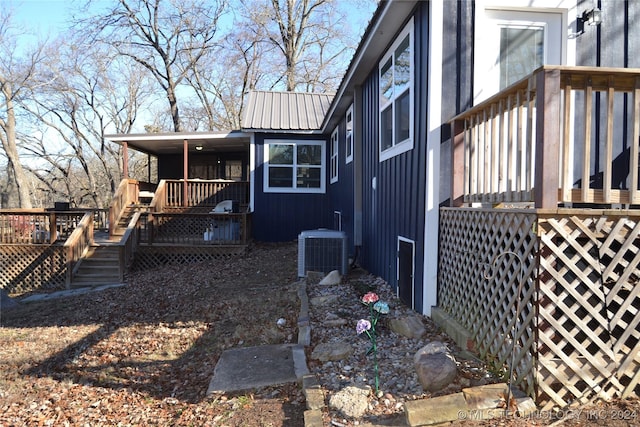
(265, 185)
(567, 8)
(349, 135)
(333, 161)
(406, 145)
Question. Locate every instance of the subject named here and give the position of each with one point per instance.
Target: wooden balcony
(562, 136)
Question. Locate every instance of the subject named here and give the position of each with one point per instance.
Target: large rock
(333, 278)
(435, 366)
(351, 401)
(408, 326)
(327, 351)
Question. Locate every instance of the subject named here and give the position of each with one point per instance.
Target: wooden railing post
(547, 103)
(457, 164)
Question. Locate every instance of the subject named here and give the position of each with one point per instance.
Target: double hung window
(396, 96)
(334, 156)
(294, 166)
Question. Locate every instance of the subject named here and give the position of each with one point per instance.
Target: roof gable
(285, 111)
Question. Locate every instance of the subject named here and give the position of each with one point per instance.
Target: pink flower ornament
(370, 297)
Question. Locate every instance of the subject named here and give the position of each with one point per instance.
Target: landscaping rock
(333, 278)
(327, 351)
(351, 401)
(408, 326)
(324, 300)
(435, 367)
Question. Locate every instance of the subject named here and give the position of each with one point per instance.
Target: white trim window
(294, 166)
(348, 143)
(333, 168)
(396, 96)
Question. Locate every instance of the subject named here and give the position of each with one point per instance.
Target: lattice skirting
(27, 268)
(578, 331)
(149, 257)
(485, 255)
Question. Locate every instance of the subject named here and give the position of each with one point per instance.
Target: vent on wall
(322, 250)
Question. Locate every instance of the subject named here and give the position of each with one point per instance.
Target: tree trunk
(11, 150)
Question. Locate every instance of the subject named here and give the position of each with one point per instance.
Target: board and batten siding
(341, 193)
(396, 206)
(281, 217)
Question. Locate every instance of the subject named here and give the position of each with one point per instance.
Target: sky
(40, 16)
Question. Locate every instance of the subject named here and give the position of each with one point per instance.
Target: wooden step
(101, 265)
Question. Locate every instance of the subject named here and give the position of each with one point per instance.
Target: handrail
(78, 244)
(126, 194)
(128, 244)
(537, 140)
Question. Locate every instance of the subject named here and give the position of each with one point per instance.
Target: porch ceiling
(173, 142)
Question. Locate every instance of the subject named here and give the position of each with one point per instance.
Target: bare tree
(15, 74)
(90, 93)
(311, 38)
(167, 38)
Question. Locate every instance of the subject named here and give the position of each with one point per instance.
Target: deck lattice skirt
(578, 330)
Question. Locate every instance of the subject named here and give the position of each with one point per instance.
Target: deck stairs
(101, 264)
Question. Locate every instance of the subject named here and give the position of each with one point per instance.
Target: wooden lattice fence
(150, 257)
(578, 329)
(589, 306)
(28, 268)
(471, 240)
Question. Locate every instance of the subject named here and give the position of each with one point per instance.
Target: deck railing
(205, 194)
(37, 226)
(126, 194)
(562, 135)
(77, 244)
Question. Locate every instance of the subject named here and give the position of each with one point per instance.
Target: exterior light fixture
(198, 147)
(592, 17)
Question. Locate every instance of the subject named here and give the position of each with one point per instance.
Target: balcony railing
(564, 135)
(202, 193)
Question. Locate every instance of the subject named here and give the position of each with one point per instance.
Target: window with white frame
(294, 166)
(334, 156)
(396, 96)
(349, 136)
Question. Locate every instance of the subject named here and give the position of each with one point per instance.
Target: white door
(510, 44)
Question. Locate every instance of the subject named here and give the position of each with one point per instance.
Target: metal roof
(285, 111)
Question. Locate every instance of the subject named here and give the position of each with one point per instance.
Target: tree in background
(16, 73)
(88, 93)
(167, 38)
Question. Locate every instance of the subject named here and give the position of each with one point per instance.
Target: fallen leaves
(145, 353)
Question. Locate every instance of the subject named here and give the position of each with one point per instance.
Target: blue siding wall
(280, 217)
(341, 192)
(396, 207)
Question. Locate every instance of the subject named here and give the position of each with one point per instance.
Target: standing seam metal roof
(285, 111)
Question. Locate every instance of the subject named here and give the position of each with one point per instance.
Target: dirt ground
(144, 354)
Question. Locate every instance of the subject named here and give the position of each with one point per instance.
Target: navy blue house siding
(340, 193)
(396, 206)
(280, 217)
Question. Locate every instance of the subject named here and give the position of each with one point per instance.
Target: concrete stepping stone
(252, 367)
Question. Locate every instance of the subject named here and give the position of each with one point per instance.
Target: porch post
(185, 175)
(547, 165)
(457, 164)
(125, 160)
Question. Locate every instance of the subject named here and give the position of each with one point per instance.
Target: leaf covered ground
(144, 354)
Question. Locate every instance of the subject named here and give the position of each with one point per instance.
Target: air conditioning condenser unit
(322, 250)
